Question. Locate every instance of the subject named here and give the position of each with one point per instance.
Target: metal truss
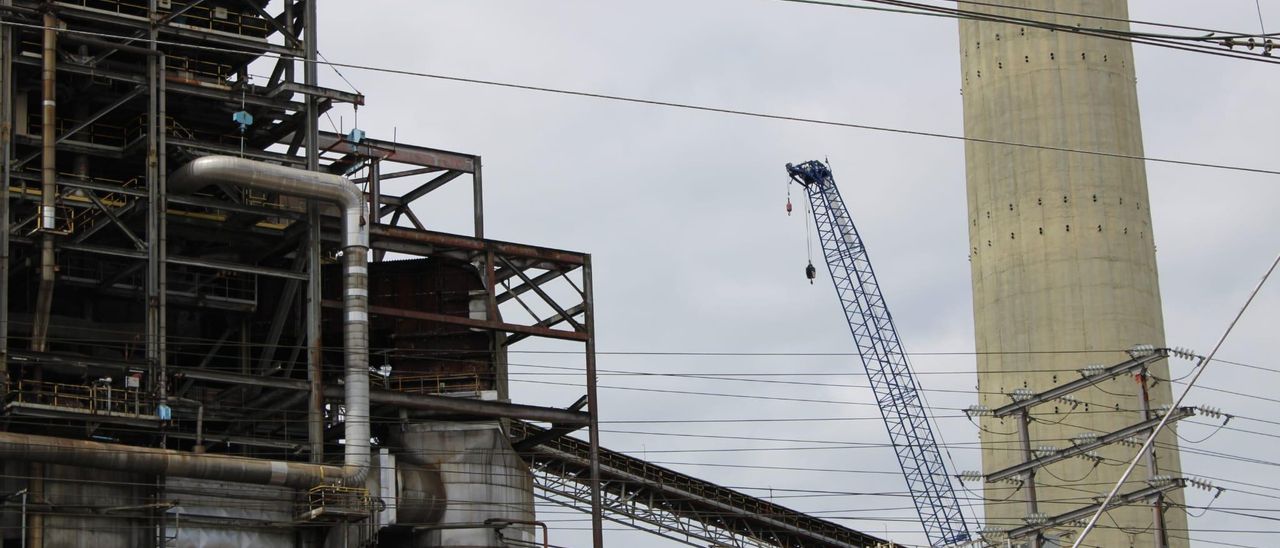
(642, 515)
(886, 364)
(672, 505)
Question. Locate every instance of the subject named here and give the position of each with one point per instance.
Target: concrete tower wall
(1063, 259)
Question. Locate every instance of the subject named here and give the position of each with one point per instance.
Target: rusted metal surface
(400, 152)
(468, 322)
(446, 241)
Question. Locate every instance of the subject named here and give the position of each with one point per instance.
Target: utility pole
(1031, 534)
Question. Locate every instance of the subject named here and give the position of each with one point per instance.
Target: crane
(886, 364)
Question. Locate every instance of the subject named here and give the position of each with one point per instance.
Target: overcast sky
(683, 213)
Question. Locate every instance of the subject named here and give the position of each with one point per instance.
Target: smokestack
(1062, 252)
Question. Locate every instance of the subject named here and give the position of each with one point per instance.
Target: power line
(704, 108)
(1190, 384)
(1195, 44)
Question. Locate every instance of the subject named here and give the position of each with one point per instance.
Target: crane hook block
(810, 272)
(788, 206)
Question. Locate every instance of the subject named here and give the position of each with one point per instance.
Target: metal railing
(96, 398)
(335, 498)
(219, 19)
(434, 384)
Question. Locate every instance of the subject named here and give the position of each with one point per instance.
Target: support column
(1153, 468)
(1024, 436)
(597, 515)
(315, 355)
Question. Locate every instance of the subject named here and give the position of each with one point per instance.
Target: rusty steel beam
(402, 153)
(468, 322)
(435, 183)
(471, 407)
(454, 241)
(543, 294)
(515, 291)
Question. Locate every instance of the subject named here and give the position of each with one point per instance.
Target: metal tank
(486, 484)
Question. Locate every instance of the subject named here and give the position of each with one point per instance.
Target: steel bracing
(882, 355)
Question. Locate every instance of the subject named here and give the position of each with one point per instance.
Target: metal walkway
(670, 504)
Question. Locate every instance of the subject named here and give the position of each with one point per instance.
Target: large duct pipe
(150, 460)
(355, 241)
(208, 170)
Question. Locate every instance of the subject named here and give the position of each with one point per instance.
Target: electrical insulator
(977, 410)
(1036, 518)
(1140, 350)
(1133, 441)
(1087, 437)
(1021, 394)
(1202, 484)
(971, 475)
(1184, 353)
(1092, 369)
(993, 532)
(1091, 456)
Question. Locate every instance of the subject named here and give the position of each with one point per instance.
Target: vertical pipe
(1162, 535)
(153, 211)
(162, 238)
(6, 137)
(23, 540)
(44, 296)
(156, 240)
(597, 522)
(48, 184)
(199, 448)
(315, 411)
(36, 489)
(1024, 435)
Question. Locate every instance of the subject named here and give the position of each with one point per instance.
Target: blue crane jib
(890, 376)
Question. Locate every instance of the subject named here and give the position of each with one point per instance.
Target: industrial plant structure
(1063, 260)
(219, 328)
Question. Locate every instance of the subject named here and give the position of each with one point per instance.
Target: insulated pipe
(155, 461)
(208, 170)
(355, 240)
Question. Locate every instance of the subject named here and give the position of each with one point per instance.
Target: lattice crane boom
(886, 364)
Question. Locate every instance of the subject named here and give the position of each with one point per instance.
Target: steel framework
(213, 305)
(886, 364)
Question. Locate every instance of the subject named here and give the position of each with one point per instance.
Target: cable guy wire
(1093, 521)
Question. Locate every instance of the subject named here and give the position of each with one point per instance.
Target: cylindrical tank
(483, 480)
(1063, 258)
